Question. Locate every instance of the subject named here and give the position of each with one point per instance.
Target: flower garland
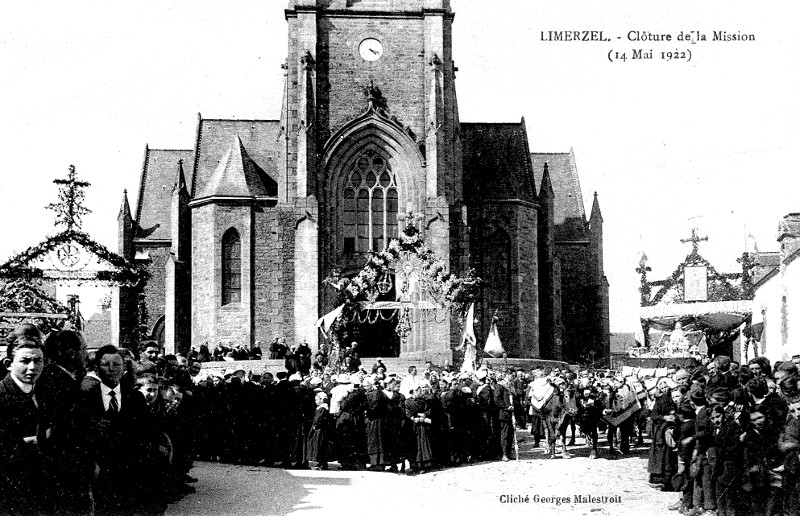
(448, 290)
(125, 273)
(720, 289)
(17, 296)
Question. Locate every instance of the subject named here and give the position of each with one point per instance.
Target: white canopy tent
(719, 316)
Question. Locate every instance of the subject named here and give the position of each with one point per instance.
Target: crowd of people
(229, 352)
(727, 437)
(117, 432)
(83, 434)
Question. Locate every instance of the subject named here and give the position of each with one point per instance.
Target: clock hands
(370, 49)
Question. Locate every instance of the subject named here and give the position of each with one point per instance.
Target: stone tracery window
(370, 205)
(231, 267)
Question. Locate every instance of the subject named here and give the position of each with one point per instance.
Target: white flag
(638, 334)
(325, 322)
(468, 341)
(493, 345)
(468, 333)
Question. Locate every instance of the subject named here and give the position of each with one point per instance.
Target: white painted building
(776, 304)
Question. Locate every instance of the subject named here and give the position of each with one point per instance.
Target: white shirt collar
(24, 387)
(105, 389)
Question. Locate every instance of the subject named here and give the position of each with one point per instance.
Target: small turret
(596, 216)
(596, 236)
(180, 217)
(125, 228)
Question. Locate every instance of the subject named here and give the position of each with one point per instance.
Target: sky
(668, 145)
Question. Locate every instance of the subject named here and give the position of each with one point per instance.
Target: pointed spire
(546, 190)
(180, 184)
(125, 208)
(596, 215)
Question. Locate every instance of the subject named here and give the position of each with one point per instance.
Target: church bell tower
(371, 132)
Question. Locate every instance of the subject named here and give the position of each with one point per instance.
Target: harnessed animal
(548, 399)
(622, 405)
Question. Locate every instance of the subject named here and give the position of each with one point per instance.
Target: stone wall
(518, 318)
(581, 301)
(344, 75)
(273, 274)
(154, 291)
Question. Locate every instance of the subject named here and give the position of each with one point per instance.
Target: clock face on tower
(370, 49)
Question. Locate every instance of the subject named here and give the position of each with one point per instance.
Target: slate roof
(496, 162)
(159, 175)
(767, 265)
(568, 211)
(97, 329)
(237, 175)
(260, 139)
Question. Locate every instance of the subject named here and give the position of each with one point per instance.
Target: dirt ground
(532, 485)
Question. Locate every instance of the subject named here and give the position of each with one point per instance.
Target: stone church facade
(240, 231)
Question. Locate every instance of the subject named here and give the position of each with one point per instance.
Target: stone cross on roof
(695, 240)
(69, 208)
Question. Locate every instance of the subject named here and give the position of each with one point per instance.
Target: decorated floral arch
(68, 257)
(408, 257)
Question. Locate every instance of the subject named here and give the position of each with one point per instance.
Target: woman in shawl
(377, 409)
(317, 444)
(662, 418)
(418, 410)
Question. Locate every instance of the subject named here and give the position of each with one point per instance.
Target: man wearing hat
(378, 363)
(394, 423)
(453, 405)
(504, 401)
(281, 393)
(301, 408)
(489, 414)
(351, 442)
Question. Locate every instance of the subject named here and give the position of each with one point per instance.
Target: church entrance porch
(403, 300)
(376, 333)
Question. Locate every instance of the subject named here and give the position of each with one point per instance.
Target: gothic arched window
(497, 267)
(370, 205)
(231, 267)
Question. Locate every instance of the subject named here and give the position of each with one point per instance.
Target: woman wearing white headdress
(318, 437)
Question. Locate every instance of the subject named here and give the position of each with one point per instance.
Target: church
(239, 232)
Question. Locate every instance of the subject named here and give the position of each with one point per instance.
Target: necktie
(112, 403)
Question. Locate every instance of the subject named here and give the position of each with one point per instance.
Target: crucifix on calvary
(31, 281)
(697, 310)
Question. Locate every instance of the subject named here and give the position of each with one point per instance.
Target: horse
(548, 399)
(622, 405)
